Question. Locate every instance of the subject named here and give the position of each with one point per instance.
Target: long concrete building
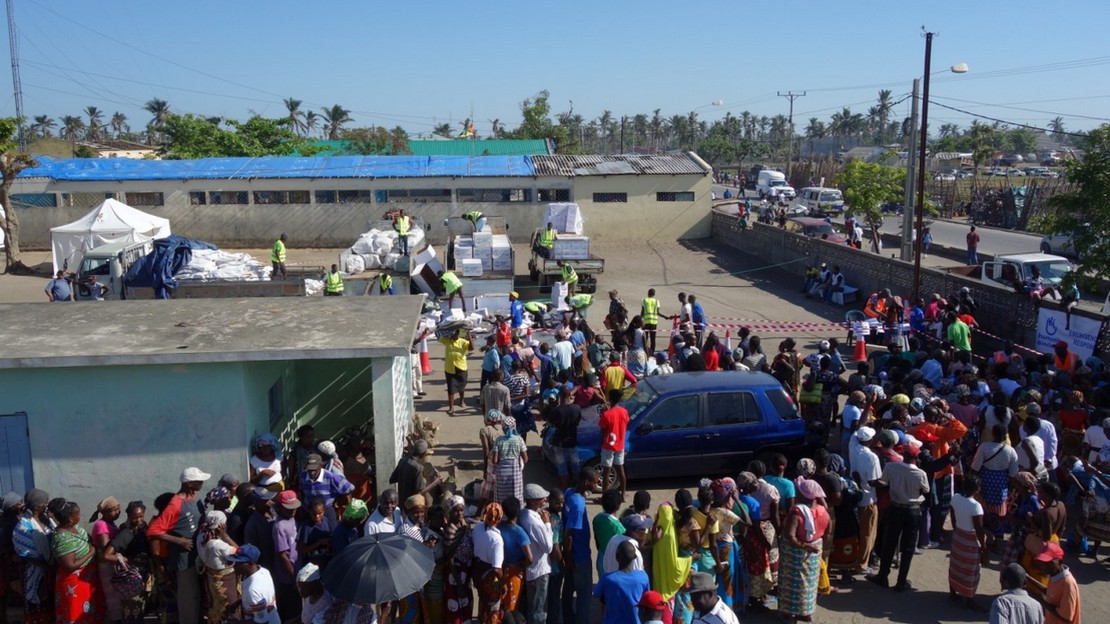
(329, 201)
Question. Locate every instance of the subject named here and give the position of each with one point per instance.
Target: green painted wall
(331, 395)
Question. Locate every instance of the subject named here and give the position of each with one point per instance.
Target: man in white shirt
(387, 517)
(708, 606)
(536, 522)
(258, 594)
(563, 353)
(1034, 425)
(865, 469)
(1094, 441)
(636, 531)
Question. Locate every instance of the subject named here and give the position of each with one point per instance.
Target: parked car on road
(815, 228)
(944, 177)
(1060, 244)
(1014, 173)
(702, 423)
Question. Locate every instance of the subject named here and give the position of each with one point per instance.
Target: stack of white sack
(380, 249)
(214, 264)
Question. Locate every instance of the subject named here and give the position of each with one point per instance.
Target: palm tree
(43, 126)
(815, 129)
(334, 118)
(295, 118)
(72, 128)
(657, 123)
(747, 122)
(605, 124)
(496, 129)
(159, 110)
(311, 120)
(949, 130)
(119, 123)
(1056, 126)
(883, 108)
(443, 130)
(96, 122)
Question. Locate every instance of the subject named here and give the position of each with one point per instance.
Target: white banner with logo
(1081, 335)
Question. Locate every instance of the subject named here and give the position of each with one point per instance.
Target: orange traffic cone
(860, 353)
(425, 363)
(728, 340)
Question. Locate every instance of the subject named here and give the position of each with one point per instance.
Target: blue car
(701, 423)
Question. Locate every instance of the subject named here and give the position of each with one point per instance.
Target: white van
(821, 201)
(773, 184)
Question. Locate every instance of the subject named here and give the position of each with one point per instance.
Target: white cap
(864, 434)
(310, 572)
(193, 473)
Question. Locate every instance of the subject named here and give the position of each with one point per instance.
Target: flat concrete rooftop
(182, 331)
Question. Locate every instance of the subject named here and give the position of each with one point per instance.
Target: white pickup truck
(1013, 271)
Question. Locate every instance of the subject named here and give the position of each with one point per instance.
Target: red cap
(288, 499)
(911, 450)
(652, 600)
(1050, 552)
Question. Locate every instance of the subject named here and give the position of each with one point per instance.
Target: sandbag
(355, 264)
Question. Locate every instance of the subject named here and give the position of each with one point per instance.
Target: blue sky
(420, 63)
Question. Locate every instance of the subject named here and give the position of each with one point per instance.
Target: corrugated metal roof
(593, 164)
(281, 167)
(452, 147)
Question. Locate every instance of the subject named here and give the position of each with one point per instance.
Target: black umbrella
(379, 568)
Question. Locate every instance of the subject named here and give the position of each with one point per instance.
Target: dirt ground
(729, 285)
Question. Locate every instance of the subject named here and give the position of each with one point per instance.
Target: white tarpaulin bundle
(214, 264)
(379, 249)
(109, 222)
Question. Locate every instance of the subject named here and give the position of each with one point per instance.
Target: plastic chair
(852, 316)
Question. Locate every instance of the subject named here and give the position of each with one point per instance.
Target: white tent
(109, 222)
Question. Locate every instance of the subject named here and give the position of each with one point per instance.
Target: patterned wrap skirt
(798, 578)
(964, 567)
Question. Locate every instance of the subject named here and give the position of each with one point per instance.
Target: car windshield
(638, 402)
(95, 266)
(777, 183)
(831, 196)
(824, 228)
(1053, 270)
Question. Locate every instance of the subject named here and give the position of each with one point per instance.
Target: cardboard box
(483, 239)
(570, 247)
(463, 253)
(471, 267)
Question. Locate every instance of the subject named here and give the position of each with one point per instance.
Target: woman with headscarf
(1025, 504)
(331, 457)
(104, 530)
(77, 596)
(458, 552)
(410, 609)
(669, 571)
(969, 544)
(213, 548)
(508, 457)
(265, 464)
(31, 539)
(130, 550)
(489, 558)
(1074, 417)
(727, 555)
(351, 525)
(759, 545)
(787, 367)
(807, 526)
(997, 463)
(487, 435)
(1044, 527)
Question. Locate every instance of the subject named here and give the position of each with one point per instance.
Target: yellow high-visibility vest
(278, 252)
(547, 238)
(569, 275)
(450, 281)
(403, 223)
(649, 311)
(385, 282)
(333, 282)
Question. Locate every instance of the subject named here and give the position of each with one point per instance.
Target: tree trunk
(10, 223)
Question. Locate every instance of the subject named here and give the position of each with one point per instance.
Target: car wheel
(595, 463)
(1045, 248)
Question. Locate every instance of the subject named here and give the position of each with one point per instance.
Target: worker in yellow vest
(277, 257)
(402, 223)
(570, 277)
(477, 219)
(649, 313)
(545, 244)
(452, 286)
(333, 282)
(385, 284)
(578, 304)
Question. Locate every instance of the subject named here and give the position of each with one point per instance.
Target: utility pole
(17, 84)
(790, 95)
(911, 174)
(922, 147)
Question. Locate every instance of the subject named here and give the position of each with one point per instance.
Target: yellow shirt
(454, 357)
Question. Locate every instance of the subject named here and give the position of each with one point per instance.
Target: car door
(667, 435)
(731, 435)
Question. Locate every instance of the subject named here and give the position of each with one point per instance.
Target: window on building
(413, 195)
(143, 199)
(553, 195)
(34, 200)
(227, 198)
(494, 195)
(344, 197)
(198, 198)
(85, 200)
(610, 198)
(281, 197)
(675, 196)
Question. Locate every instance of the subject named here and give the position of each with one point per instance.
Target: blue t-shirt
(917, 320)
(507, 366)
(491, 360)
(343, 535)
(784, 486)
(754, 510)
(621, 593)
(577, 522)
(697, 315)
(849, 417)
(515, 539)
(516, 311)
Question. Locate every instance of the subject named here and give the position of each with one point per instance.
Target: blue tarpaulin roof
(112, 169)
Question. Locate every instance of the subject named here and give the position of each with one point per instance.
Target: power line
(1009, 123)
(1028, 110)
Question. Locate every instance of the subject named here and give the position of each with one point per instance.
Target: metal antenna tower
(17, 83)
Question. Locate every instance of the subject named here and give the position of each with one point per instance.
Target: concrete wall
(129, 431)
(1001, 311)
(338, 225)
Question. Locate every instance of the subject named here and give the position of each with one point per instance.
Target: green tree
(536, 123)
(867, 186)
(334, 118)
(119, 123)
(96, 123)
(1022, 140)
(295, 117)
(11, 163)
(377, 141)
(716, 150)
(44, 126)
(189, 136)
(159, 110)
(1084, 212)
(1056, 126)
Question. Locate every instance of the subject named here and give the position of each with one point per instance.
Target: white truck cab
(1013, 271)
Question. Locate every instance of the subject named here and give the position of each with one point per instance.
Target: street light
(919, 208)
